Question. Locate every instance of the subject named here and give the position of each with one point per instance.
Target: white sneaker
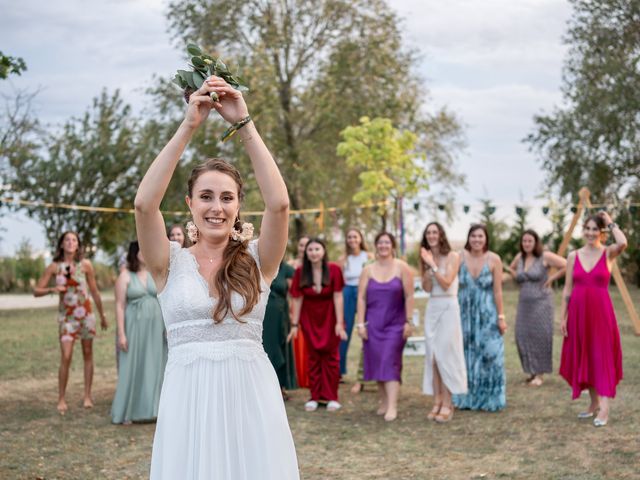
(311, 406)
(332, 406)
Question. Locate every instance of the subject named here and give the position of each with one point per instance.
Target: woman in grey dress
(534, 318)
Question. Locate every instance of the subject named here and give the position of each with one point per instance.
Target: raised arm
(275, 221)
(620, 239)
(566, 292)
(150, 227)
(453, 264)
(425, 272)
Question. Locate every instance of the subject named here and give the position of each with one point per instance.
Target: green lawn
(537, 436)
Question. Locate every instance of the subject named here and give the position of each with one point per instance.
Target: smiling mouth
(214, 220)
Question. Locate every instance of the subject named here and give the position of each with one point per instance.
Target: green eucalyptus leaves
(204, 66)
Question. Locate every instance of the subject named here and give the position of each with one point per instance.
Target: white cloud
(494, 62)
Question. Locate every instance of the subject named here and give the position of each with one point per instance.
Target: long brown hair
(239, 272)
(443, 243)
(58, 256)
(347, 248)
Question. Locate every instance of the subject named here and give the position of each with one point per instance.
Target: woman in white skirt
(444, 368)
(221, 414)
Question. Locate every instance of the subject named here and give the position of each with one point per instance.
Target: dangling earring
(192, 232)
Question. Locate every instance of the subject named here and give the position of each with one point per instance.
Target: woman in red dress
(300, 357)
(318, 309)
(591, 354)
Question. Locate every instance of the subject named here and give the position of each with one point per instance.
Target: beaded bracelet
(231, 131)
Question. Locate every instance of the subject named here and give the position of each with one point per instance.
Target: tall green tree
(593, 139)
(96, 160)
(314, 68)
(558, 216)
(510, 246)
(496, 227)
(385, 161)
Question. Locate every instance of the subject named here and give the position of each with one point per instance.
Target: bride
(221, 414)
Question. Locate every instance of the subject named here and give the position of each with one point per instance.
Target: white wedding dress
(221, 414)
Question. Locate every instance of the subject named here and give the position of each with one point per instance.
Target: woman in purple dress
(385, 296)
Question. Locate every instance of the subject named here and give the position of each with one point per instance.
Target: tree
(496, 228)
(315, 67)
(11, 65)
(28, 268)
(558, 218)
(96, 160)
(384, 159)
(511, 245)
(593, 139)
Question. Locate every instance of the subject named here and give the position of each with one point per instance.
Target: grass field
(537, 436)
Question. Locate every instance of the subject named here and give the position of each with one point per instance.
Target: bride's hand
(231, 106)
(200, 104)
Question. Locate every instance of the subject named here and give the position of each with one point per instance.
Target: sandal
(444, 417)
(332, 406)
(434, 412)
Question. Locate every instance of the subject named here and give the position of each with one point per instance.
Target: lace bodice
(187, 307)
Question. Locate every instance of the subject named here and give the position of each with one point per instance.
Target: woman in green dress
(141, 341)
(275, 329)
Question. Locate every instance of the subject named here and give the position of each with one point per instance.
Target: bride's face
(214, 205)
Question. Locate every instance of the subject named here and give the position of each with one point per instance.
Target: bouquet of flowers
(203, 66)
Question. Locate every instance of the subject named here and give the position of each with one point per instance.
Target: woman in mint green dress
(142, 343)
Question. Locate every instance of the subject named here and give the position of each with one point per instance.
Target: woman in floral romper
(74, 276)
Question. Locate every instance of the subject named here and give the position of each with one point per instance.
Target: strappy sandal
(444, 417)
(434, 412)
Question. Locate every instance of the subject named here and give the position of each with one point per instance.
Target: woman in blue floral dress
(483, 324)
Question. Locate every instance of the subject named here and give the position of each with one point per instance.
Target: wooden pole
(584, 195)
(626, 298)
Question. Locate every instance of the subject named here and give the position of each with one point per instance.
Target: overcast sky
(494, 63)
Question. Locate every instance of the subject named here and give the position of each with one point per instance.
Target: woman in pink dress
(591, 354)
